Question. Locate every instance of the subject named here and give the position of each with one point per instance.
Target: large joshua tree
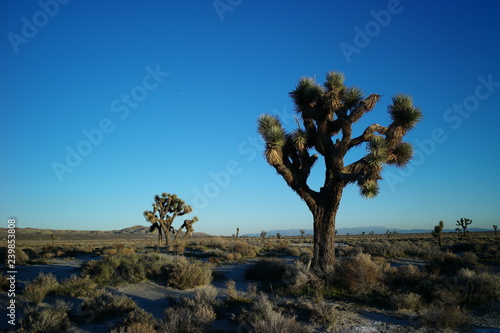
(326, 115)
(165, 209)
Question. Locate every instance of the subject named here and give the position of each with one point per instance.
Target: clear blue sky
(169, 93)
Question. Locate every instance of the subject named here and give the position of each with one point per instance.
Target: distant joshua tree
(328, 114)
(372, 233)
(495, 227)
(54, 238)
(363, 233)
(263, 234)
(438, 233)
(237, 233)
(165, 209)
(278, 235)
(302, 233)
(463, 222)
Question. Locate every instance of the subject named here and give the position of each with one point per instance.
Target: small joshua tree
(237, 233)
(302, 233)
(495, 227)
(165, 209)
(438, 233)
(327, 114)
(463, 222)
(278, 235)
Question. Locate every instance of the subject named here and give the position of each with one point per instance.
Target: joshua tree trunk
(324, 231)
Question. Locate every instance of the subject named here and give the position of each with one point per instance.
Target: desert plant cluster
(407, 278)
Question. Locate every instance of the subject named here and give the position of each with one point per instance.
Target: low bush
(79, 286)
(263, 318)
(445, 263)
(361, 275)
(269, 270)
(405, 301)
(53, 318)
(41, 286)
(137, 321)
(189, 274)
(105, 304)
(188, 317)
(445, 316)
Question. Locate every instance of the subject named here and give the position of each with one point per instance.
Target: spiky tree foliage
(188, 225)
(327, 114)
(438, 233)
(165, 209)
(495, 227)
(463, 222)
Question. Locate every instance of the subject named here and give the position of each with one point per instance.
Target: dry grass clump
(269, 270)
(79, 286)
(405, 277)
(105, 304)
(4, 283)
(360, 274)
(53, 318)
(21, 257)
(323, 313)
(264, 318)
(189, 274)
(41, 286)
(137, 321)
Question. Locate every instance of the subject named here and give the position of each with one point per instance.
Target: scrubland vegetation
(403, 277)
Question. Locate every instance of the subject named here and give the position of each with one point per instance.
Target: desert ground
(125, 282)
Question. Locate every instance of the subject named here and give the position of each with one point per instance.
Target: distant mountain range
(358, 231)
(135, 232)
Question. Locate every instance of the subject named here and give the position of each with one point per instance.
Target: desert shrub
(476, 288)
(469, 258)
(105, 304)
(293, 251)
(218, 243)
(297, 275)
(53, 318)
(21, 257)
(4, 283)
(405, 301)
(137, 321)
(188, 317)
(189, 274)
(361, 275)
(117, 269)
(41, 286)
(323, 313)
(445, 316)
(406, 277)
(263, 318)
(207, 295)
(445, 262)
(79, 286)
(464, 247)
(245, 249)
(269, 270)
